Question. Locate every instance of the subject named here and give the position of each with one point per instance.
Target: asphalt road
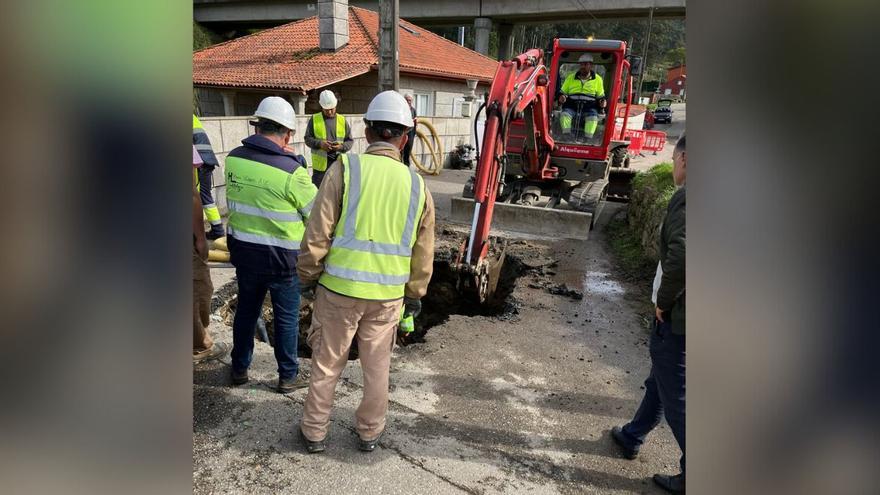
(486, 405)
(673, 132)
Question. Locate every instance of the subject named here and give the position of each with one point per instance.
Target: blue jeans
(664, 389)
(252, 290)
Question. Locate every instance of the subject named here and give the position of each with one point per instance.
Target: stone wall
(226, 133)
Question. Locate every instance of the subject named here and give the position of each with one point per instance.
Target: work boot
(672, 484)
(312, 447)
(620, 439)
(369, 445)
(215, 233)
(218, 350)
(287, 385)
(239, 377)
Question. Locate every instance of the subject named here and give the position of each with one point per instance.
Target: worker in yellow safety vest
(367, 255)
(328, 135)
(583, 96)
(206, 179)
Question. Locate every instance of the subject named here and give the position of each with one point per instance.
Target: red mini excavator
(528, 158)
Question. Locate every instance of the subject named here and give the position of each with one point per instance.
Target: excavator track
(589, 198)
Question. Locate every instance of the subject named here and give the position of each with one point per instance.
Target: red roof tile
(287, 56)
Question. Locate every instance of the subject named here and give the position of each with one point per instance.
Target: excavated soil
(443, 298)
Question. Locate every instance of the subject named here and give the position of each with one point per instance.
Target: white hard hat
(389, 106)
(327, 100)
(278, 110)
(585, 58)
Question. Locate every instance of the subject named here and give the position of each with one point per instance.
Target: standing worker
(204, 347)
(328, 135)
(665, 386)
(583, 95)
(367, 254)
(411, 135)
(270, 197)
(206, 179)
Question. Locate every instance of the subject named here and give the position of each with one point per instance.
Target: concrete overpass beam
(505, 41)
(482, 28)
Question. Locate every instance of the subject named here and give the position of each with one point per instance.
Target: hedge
(650, 196)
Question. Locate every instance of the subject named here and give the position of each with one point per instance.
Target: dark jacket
(671, 295)
(258, 258)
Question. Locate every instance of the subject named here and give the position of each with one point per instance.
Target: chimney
(332, 24)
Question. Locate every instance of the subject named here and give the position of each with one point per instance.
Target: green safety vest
(592, 87)
(382, 203)
(267, 205)
(319, 156)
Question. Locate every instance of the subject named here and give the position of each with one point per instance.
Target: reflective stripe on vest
(261, 210)
(319, 156)
(369, 260)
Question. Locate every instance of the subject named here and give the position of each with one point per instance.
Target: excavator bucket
(620, 183)
(531, 221)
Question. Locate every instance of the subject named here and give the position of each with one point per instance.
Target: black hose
(476, 135)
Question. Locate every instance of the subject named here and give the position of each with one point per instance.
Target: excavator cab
(578, 115)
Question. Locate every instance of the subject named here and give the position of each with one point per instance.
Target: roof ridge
(367, 33)
(286, 24)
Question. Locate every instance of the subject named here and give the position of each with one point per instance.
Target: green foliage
(627, 248)
(667, 43)
(657, 178)
(636, 240)
(203, 37)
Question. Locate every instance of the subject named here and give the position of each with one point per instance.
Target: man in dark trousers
(665, 388)
(411, 135)
(328, 135)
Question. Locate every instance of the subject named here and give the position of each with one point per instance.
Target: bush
(650, 197)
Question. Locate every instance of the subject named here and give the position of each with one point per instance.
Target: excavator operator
(582, 98)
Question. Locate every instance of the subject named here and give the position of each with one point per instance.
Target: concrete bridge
(482, 13)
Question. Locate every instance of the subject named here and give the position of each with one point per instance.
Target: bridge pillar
(505, 41)
(482, 28)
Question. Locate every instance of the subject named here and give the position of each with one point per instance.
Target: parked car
(663, 112)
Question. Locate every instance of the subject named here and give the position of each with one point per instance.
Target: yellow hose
(217, 255)
(436, 152)
(219, 244)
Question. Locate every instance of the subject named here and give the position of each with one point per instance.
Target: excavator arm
(518, 91)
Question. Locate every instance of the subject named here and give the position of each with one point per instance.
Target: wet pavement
(519, 404)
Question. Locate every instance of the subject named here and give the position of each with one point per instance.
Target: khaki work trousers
(336, 320)
(202, 292)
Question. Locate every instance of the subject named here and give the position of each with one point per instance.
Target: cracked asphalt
(485, 405)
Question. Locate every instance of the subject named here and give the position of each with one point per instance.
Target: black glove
(307, 289)
(412, 306)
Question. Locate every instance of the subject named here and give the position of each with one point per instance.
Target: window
(422, 101)
(679, 82)
(457, 103)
